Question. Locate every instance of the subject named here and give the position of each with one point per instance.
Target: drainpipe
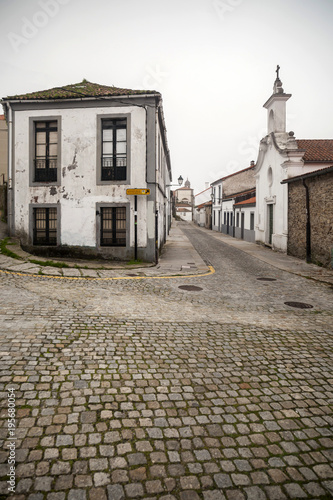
(308, 225)
(10, 169)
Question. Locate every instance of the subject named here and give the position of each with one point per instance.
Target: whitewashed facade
(216, 191)
(184, 202)
(71, 162)
(280, 157)
(200, 204)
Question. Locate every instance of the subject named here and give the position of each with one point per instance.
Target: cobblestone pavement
(140, 389)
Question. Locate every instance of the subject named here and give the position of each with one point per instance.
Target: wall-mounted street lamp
(180, 182)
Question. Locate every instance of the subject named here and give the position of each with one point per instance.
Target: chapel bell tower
(276, 107)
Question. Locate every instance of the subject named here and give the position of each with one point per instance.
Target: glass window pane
(121, 134)
(40, 138)
(41, 150)
(53, 137)
(53, 124)
(107, 148)
(107, 135)
(121, 148)
(40, 124)
(53, 150)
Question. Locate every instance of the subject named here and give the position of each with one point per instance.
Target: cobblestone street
(131, 389)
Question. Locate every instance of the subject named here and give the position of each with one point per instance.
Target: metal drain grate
(266, 279)
(299, 305)
(131, 275)
(191, 288)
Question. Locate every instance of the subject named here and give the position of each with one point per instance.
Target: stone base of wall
(321, 218)
(88, 253)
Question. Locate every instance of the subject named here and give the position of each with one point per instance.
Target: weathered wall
(321, 218)
(78, 193)
(242, 181)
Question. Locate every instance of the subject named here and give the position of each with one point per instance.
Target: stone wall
(239, 182)
(321, 218)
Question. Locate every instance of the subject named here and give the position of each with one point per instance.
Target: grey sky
(213, 61)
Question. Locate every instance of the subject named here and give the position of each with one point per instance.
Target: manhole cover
(266, 279)
(190, 288)
(299, 305)
(131, 274)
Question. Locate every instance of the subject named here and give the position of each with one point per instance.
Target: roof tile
(80, 90)
(316, 150)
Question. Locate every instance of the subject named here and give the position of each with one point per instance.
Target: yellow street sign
(137, 191)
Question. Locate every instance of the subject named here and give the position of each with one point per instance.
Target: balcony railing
(111, 172)
(46, 169)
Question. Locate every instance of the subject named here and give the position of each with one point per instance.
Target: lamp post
(180, 182)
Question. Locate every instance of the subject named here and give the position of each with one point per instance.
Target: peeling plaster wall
(78, 192)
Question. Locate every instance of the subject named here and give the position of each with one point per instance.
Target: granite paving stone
(132, 389)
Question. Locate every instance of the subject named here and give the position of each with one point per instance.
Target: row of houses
(89, 171)
(284, 200)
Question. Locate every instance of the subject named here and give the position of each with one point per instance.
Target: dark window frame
(113, 236)
(99, 149)
(54, 178)
(114, 164)
(51, 233)
(44, 169)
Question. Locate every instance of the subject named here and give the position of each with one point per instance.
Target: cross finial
(277, 71)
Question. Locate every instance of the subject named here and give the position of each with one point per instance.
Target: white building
(216, 205)
(184, 202)
(201, 201)
(281, 156)
(74, 152)
(234, 204)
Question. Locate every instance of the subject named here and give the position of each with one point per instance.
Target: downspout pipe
(308, 223)
(10, 169)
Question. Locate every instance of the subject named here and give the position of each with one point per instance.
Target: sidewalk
(178, 257)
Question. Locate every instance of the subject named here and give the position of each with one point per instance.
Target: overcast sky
(213, 61)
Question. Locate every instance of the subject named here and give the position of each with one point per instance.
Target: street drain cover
(131, 274)
(266, 279)
(190, 288)
(299, 305)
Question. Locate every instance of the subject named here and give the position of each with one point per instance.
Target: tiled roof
(250, 201)
(2, 117)
(80, 90)
(181, 209)
(202, 205)
(316, 150)
(234, 195)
